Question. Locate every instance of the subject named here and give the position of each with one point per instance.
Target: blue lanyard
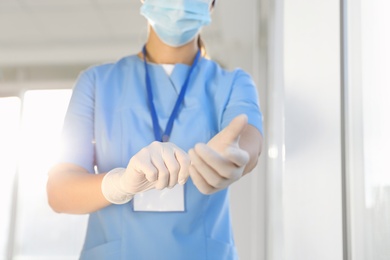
(156, 126)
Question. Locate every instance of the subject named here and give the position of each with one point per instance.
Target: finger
(199, 182)
(163, 174)
(208, 173)
(237, 156)
(141, 184)
(172, 165)
(184, 162)
(223, 166)
(232, 132)
(143, 165)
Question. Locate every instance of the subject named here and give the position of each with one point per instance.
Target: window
(369, 128)
(29, 135)
(9, 140)
(376, 122)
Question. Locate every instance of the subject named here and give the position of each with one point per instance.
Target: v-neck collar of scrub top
(165, 134)
(175, 80)
(168, 68)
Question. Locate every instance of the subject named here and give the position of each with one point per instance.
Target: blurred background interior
(322, 188)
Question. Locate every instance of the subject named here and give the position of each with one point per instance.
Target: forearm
(71, 189)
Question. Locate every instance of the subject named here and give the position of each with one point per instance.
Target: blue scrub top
(108, 121)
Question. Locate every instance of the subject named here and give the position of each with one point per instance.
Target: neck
(160, 53)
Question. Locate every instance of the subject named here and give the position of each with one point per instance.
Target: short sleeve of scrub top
(77, 134)
(243, 100)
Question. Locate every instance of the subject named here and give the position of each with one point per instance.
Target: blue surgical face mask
(177, 22)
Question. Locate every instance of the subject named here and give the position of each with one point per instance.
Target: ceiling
(69, 31)
(52, 29)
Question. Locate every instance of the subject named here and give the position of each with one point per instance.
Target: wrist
(111, 187)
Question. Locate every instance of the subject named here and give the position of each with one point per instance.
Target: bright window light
(376, 121)
(42, 119)
(9, 134)
(9, 142)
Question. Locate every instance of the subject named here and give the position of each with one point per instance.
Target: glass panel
(311, 185)
(9, 142)
(376, 125)
(41, 233)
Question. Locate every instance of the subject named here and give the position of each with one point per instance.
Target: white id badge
(160, 200)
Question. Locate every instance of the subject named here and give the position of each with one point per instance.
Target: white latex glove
(158, 165)
(220, 162)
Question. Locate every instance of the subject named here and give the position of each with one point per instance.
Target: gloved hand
(158, 165)
(220, 162)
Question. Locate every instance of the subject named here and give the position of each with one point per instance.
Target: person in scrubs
(152, 142)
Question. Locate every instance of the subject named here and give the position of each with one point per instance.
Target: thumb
(232, 132)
